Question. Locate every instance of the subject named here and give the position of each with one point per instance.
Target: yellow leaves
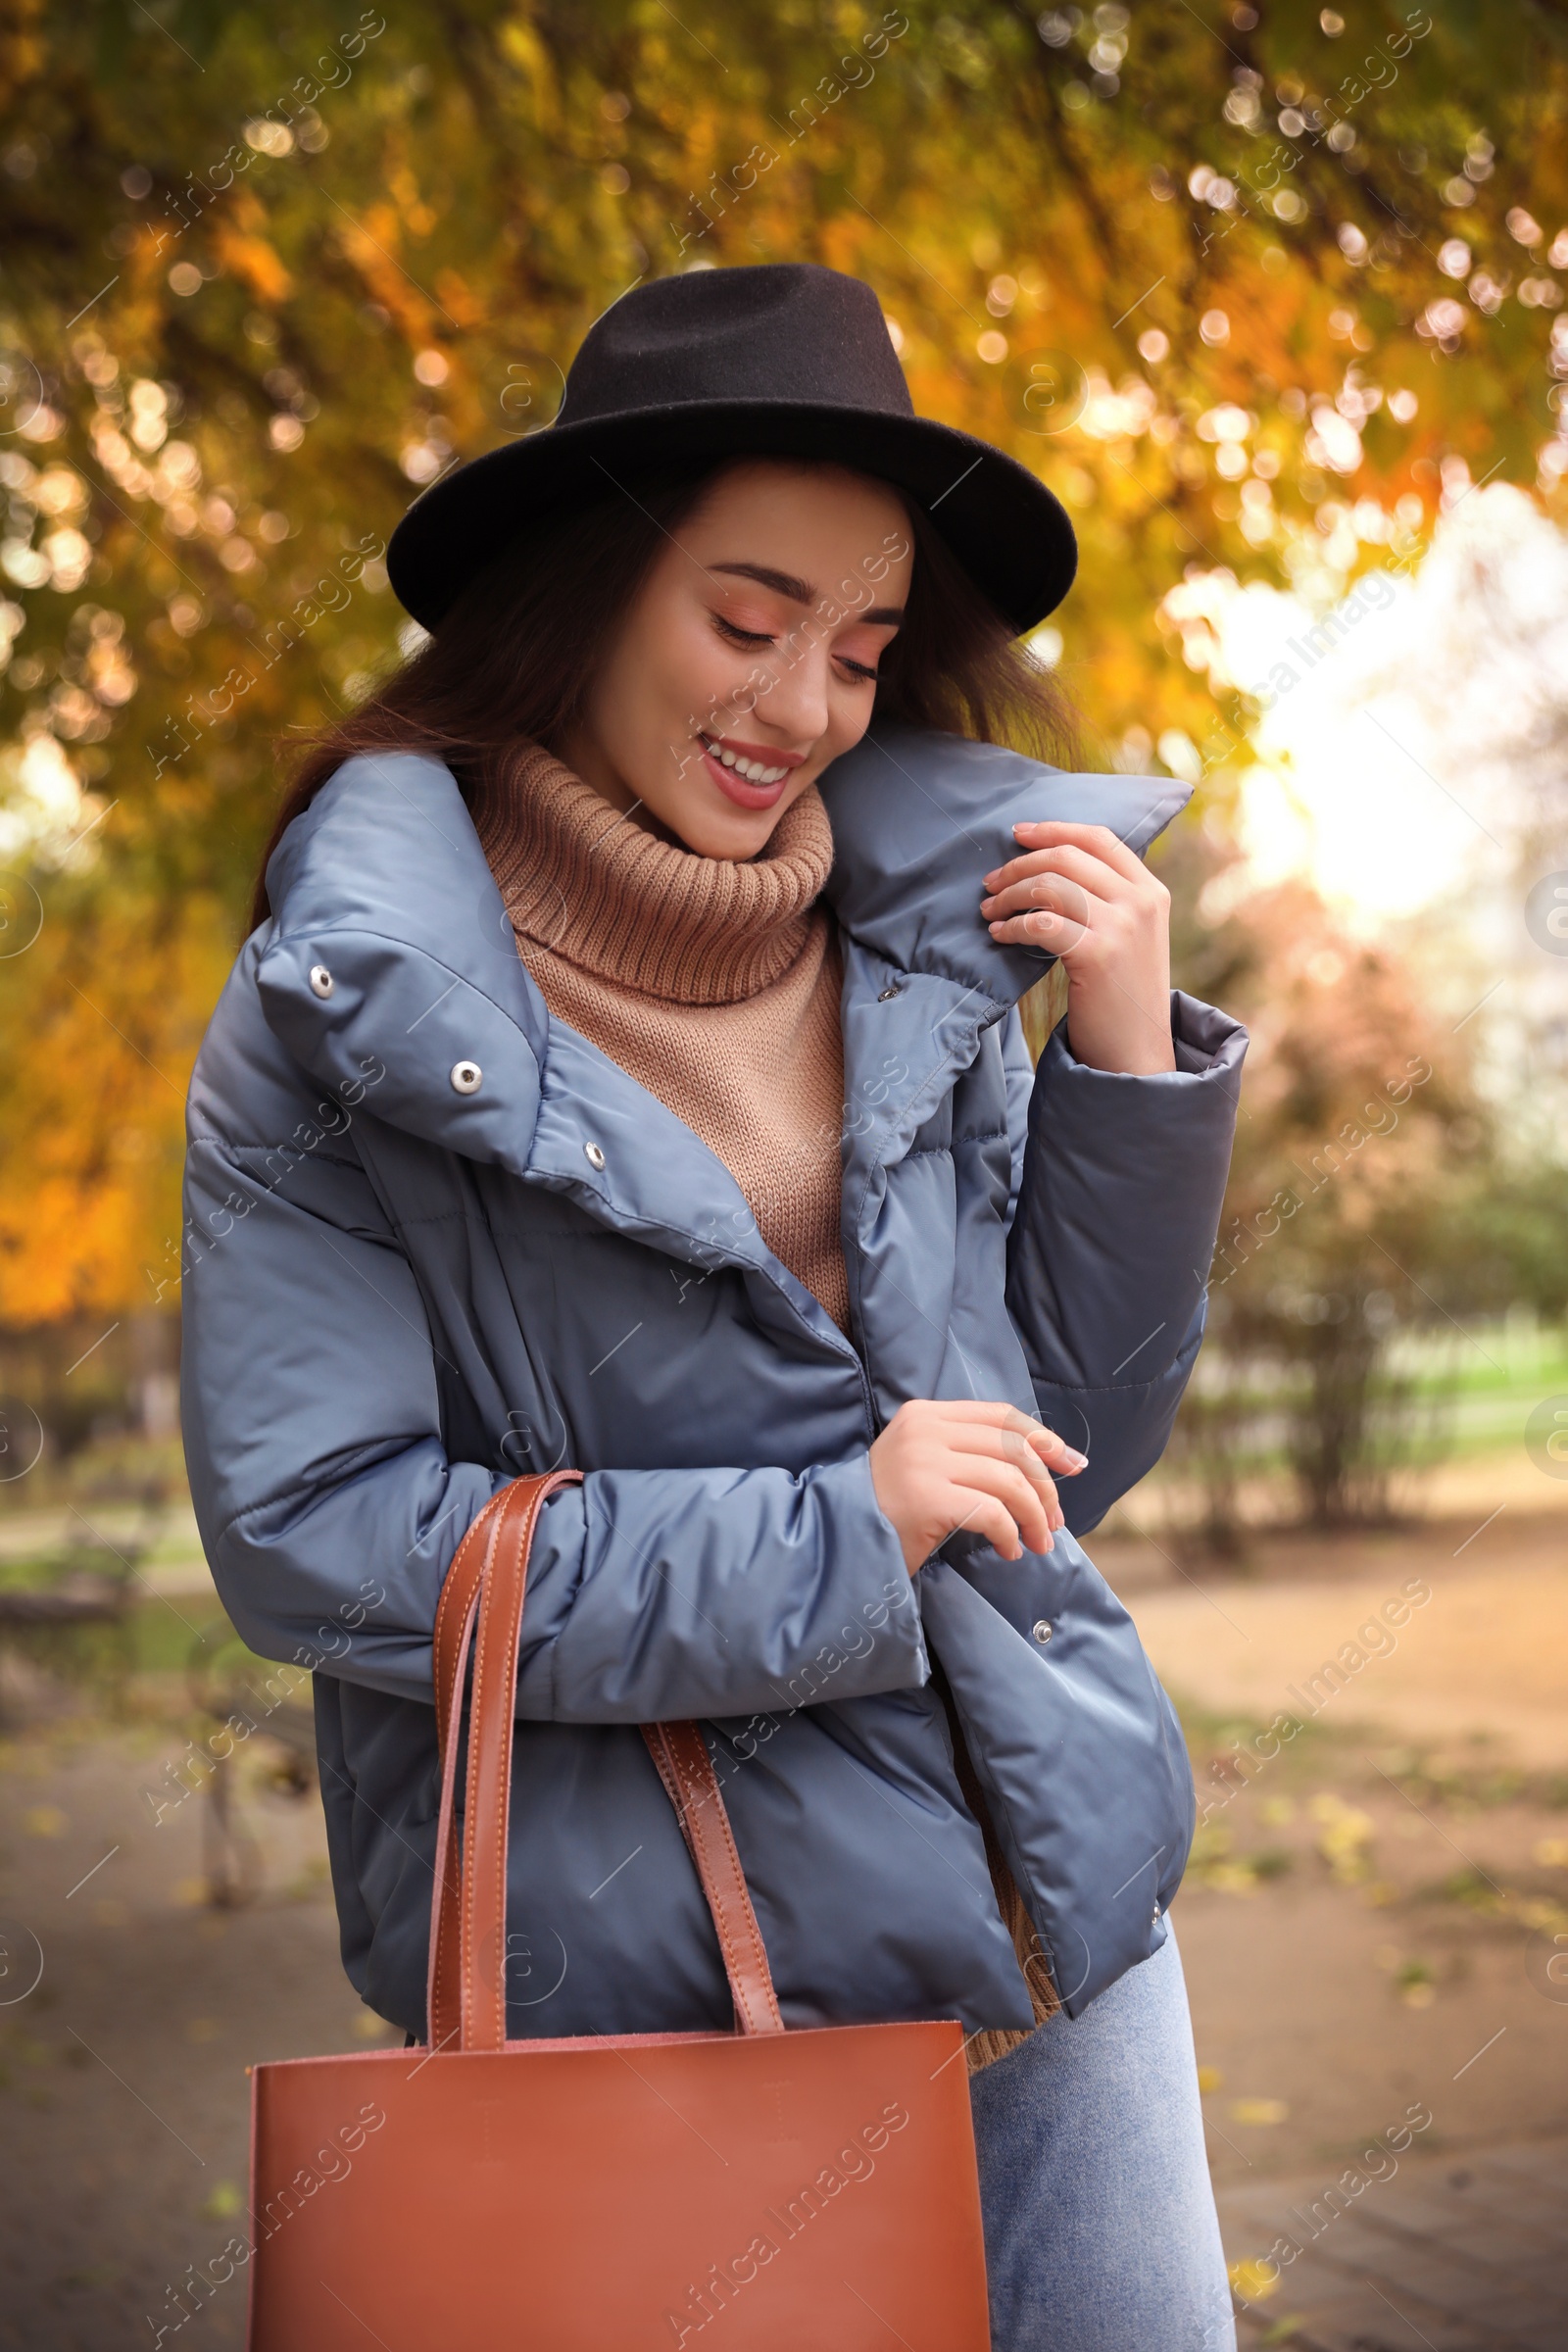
(418, 216)
(1346, 1838)
(253, 260)
(378, 227)
(1253, 2280)
(457, 296)
(242, 246)
(1416, 1985)
(1211, 1863)
(63, 1245)
(1415, 1982)
(966, 219)
(1262, 2114)
(99, 1030)
(521, 46)
(371, 245)
(1230, 1877)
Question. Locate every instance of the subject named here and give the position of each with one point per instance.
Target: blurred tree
(1376, 1188)
(1238, 288)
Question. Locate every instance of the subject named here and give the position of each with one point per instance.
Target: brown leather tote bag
(785, 2191)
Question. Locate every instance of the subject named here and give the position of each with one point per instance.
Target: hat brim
(1012, 536)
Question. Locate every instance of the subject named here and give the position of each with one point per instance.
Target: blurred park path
(123, 2073)
(1458, 2257)
(1367, 1925)
(1484, 1661)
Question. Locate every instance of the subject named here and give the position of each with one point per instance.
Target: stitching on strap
(730, 1909)
(748, 1915)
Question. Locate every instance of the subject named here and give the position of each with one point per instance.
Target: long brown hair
(514, 656)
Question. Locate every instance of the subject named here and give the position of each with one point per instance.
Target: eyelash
(751, 637)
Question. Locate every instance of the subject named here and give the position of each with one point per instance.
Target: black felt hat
(788, 359)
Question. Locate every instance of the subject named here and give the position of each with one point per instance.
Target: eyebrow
(800, 592)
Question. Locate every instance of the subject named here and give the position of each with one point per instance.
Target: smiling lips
(747, 774)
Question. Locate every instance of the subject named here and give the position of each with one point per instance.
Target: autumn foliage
(1221, 281)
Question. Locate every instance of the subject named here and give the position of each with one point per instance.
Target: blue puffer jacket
(398, 1295)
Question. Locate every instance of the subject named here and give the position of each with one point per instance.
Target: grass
(1320, 1752)
(156, 1658)
(1466, 1392)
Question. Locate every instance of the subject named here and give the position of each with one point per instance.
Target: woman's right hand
(941, 1466)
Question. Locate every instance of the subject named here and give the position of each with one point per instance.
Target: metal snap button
(594, 1157)
(466, 1077)
(886, 994)
(1042, 1631)
(321, 980)
(1155, 1922)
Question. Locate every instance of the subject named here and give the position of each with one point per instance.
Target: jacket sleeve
(331, 1512)
(1117, 1206)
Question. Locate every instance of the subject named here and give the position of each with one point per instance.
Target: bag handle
(481, 1603)
(686, 1769)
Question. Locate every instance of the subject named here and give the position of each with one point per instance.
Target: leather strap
(686, 1769)
(482, 1599)
(455, 1617)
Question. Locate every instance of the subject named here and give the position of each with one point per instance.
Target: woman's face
(748, 661)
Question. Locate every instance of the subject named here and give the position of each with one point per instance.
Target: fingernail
(1079, 1461)
(990, 881)
(987, 902)
(996, 929)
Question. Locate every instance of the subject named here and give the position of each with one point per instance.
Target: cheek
(688, 673)
(850, 711)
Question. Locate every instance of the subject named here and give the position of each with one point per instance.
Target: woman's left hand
(1080, 892)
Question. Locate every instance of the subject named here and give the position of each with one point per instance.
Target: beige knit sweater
(715, 984)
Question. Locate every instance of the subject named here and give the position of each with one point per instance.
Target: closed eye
(727, 629)
(755, 637)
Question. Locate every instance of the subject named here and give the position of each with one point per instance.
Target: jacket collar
(390, 972)
(920, 818)
(387, 850)
(387, 847)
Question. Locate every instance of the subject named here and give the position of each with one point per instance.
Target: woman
(625, 1071)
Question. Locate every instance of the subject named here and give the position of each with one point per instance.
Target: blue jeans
(1100, 2226)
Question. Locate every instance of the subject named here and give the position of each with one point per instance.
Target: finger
(995, 1412)
(1043, 927)
(1031, 1447)
(1033, 1509)
(1048, 894)
(1094, 874)
(974, 1514)
(1104, 844)
(1048, 862)
(1005, 1468)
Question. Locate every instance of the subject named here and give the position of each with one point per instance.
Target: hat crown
(778, 331)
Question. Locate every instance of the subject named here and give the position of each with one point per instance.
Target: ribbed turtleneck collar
(591, 886)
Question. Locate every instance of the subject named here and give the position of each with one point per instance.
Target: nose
(796, 704)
